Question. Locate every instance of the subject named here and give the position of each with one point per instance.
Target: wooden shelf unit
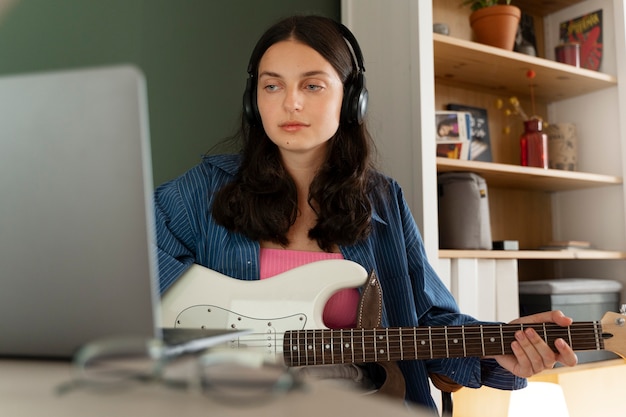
(478, 75)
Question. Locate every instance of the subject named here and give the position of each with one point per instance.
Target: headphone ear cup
(354, 106)
(250, 108)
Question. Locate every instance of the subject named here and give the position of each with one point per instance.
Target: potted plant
(494, 22)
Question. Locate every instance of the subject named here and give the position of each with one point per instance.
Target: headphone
(355, 95)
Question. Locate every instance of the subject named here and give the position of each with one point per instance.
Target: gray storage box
(581, 299)
(463, 211)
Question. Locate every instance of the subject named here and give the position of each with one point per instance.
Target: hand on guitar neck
(531, 354)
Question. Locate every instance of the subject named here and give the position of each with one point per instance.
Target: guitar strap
(369, 316)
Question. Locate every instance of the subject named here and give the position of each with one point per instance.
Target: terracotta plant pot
(496, 25)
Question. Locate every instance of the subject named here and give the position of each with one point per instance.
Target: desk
(27, 389)
(590, 389)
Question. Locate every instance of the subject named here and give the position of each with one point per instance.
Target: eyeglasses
(224, 375)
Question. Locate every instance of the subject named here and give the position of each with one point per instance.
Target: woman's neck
(302, 166)
(302, 169)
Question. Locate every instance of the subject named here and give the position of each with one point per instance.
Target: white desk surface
(27, 389)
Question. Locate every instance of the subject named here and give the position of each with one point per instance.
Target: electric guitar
(285, 314)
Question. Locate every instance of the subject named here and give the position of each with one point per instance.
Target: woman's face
(299, 96)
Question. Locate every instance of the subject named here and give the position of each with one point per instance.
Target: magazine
(452, 134)
(585, 30)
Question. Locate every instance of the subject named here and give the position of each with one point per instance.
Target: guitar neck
(325, 347)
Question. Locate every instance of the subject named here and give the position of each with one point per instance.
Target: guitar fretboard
(325, 346)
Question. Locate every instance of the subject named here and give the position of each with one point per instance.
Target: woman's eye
(313, 87)
(271, 87)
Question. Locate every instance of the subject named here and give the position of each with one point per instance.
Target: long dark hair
(261, 202)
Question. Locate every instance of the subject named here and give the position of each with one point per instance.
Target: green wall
(194, 54)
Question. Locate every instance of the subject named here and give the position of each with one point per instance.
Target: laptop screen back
(75, 192)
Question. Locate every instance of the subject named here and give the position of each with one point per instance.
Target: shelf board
(543, 7)
(498, 71)
(514, 176)
(531, 254)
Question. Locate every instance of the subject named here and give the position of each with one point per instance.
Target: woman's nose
(293, 100)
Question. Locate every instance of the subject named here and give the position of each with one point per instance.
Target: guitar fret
(300, 351)
(352, 343)
(569, 336)
(363, 343)
(387, 337)
(297, 349)
(313, 349)
(463, 337)
(482, 340)
(341, 347)
(375, 347)
(289, 353)
(430, 339)
(446, 337)
(502, 339)
(310, 346)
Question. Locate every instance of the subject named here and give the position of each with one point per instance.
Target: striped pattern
(413, 294)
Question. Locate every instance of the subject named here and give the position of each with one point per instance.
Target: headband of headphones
(354, 45)
(354, 105)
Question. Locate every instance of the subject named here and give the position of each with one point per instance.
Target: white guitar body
(294, 300)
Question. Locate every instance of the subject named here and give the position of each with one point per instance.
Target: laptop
(76, 264)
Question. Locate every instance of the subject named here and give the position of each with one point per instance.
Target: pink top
(340, 310)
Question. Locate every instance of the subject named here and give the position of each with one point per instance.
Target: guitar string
(396, 338)
(407, 332)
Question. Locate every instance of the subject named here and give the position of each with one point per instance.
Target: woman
(303, 189)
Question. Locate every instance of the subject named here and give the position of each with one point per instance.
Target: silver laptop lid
(75, 193)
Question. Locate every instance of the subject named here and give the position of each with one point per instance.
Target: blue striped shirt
(413, 293)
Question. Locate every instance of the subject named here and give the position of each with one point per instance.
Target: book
(452, 129)
(480, 147)
(585, 30)
(567, 245)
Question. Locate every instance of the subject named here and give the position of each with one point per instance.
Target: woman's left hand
(531, 354)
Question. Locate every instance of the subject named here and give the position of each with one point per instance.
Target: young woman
(303, 189)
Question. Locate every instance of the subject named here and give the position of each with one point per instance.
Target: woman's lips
(293, 126)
